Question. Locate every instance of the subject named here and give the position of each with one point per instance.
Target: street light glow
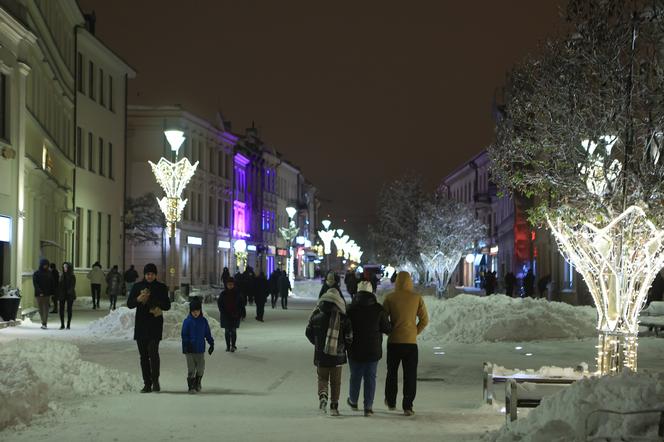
(291, 211)
(326, 223)
(175, 139)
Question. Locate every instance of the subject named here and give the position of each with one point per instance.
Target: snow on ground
(563, 417)
(473, 319)
(36, 375)
(119, 323)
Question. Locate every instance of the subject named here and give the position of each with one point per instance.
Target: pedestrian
(528, 284)
(490, 283)
(408, 316)
(195, 331)
(67, 293)
(225, 276)
(248, 286)
(350, 280)
(273, 284)
(96, 277)
(510, 283)
(370, 276)
(369, 321)
(230, 305)
(130, 278)
(543, 286)
(113, 286)
(260, 295)
(150, 298)
(42, 280)
(331, 282)
(284, 289)
(56, 281)
(331, 333)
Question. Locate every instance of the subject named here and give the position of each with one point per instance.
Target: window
(101, 86)
(91, 151)
(79, 72)
(101, 156)
(3, 108)
(79, 229)
(227, 211)
(220, 213)
(110, 160)
(108, 241)
(210, 210)
(111, 107)
(91, 79)
(211, 167)
(99, 237)
(199, 209)
(568, 275)
(79, 147)
(88, 251)
(220, 164)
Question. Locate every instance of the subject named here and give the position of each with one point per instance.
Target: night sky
(353, 92)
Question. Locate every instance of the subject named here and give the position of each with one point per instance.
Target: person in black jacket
(42, 280)
(56, 281)
(273, 284)
(331, 282)
(231, 305)
(284, 288)
(67, 293)
(331, 333)
(369, 321)
(260, 295)
(149, 297)
(510, 283)
(351, 283)
(225, 276)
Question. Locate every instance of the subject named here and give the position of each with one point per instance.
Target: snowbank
(119, 324)
(308, 288)
(472, 319)
(562, 417)
(579, 371)
(34, 375)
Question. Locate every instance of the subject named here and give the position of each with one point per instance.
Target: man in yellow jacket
(409, 317)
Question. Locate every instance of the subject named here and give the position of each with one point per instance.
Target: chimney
(90, 22)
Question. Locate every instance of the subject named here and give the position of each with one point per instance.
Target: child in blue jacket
(195, 331)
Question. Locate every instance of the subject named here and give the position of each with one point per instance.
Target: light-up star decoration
(173, 178)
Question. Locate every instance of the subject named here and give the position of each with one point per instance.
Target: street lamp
(173, 178)
(240, 248)
(288, 234)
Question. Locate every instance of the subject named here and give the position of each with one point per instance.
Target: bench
(522, 389)
(602, 438)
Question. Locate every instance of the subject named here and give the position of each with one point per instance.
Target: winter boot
(190, 384)
(147, 388)
(368, 412)
(197, 383)
(228, 343)
(351, 404)
(334, 409)
(322, 403)
(155, 386)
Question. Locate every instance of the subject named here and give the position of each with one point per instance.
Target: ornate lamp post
(289, 233)
(173, 178)
(327, 235)
(240, 248)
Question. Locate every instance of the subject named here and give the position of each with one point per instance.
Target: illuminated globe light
(240, 246)
(326, 236)
(470, 258)
(340, 243)
(175, 139)
(326, 224)
(340, 232)
(291, 211)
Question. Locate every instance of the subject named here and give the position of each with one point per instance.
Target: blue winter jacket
(194, 333)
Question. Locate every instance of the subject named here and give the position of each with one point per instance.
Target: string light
(173, 178)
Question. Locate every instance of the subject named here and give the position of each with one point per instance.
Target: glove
(211, 349)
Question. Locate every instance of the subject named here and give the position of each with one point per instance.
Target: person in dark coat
(542, 286)
(331, 282)
(195, 331)
(56, 281)
(284, 289)
(149, 297)
(113, 286)
(369, 321)
(273, 284)
(225, 276)
(230, 304)
(130, 277)
(331, 333)
(528, 284)
(490, 282)
(42, 280)
(66, 293)
(248, 285)
(260, 295)
(351, 283)
(370, 276)
(510, 283)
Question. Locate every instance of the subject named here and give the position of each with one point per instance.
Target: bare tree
(144, 221)
(581, 132)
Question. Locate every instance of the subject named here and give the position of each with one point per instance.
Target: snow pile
(472, 319)
(563, 416)
(579, 371)
(35, 374)
(309, 288)
(119, 324)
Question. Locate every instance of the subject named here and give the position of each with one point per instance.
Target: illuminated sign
(5, 228)
(194, 241)
(224, 244)
(251, 248)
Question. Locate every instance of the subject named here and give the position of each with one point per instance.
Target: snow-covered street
(266, 391)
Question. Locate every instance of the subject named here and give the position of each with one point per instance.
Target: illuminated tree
(447, 229)
(581, 132)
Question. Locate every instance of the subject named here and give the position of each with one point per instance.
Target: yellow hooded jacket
(404, 306)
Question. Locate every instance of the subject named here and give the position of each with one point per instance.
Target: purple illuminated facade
(241, 197)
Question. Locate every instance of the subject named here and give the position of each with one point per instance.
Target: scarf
(332, 337)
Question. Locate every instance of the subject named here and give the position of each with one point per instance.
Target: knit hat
(195, 304)
(330, 280)
(365, 286)
(150, 268)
